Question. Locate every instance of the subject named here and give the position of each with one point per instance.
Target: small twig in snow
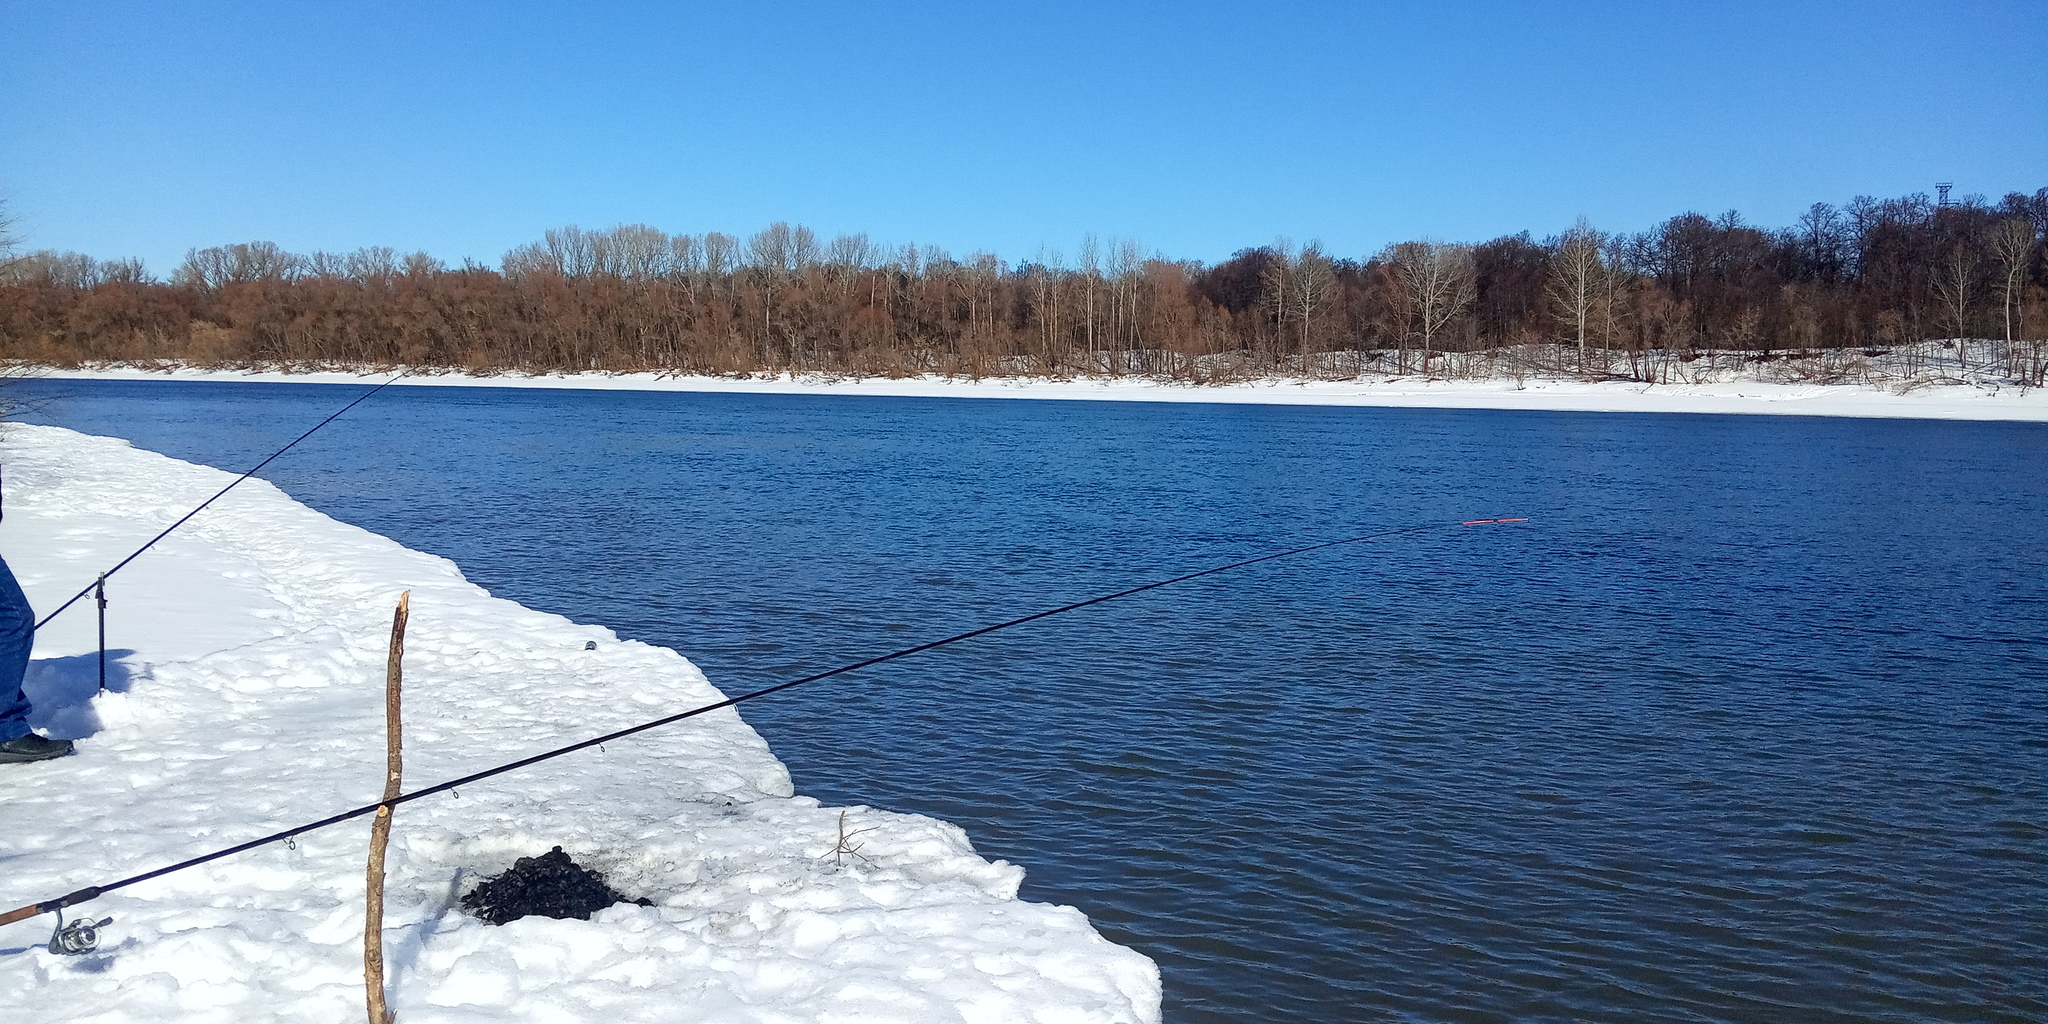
(843, 849)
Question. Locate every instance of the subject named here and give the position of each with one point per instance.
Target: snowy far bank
(1933, 401)
(246, 696)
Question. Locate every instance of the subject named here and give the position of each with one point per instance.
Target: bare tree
(721, 254)
(1615, 306)
(370, 263)
(125, 271)
(330, 266)
(636, 252)
(1310, 280)
(1577, 281)
(1047, 273)
(1825, 246)
(421, 264)
(770, 247)
(571, 250)
(1440, 282)
(685, 257)
(241, 262)
(73, 270)
(779, 248)
(848, 256)
(531, 258)
(1090, 267)
(1276, 283)
(804, 252)
(1952, 288)
(1126, 272)
(2013, 245)
(984, 277)
(781, 255)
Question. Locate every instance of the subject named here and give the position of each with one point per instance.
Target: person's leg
(17, 636)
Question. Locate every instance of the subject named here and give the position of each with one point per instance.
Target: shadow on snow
(62, 689)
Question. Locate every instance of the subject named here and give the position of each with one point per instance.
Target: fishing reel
(77, 938)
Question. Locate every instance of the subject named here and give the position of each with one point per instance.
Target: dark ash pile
(550, 885)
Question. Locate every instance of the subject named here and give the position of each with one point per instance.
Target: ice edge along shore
(246, 695)
(1952, 401)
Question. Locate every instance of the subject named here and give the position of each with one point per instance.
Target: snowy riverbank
(1934, 401)
(247, 696)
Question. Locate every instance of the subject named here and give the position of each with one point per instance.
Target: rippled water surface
(1750, 723)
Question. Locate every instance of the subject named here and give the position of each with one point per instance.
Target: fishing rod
(101, 583)
(96, 891)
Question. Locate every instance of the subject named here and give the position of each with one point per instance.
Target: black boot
(32, 748)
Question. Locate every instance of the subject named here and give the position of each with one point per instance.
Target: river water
(1748, 723)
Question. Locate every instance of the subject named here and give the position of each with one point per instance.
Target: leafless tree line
(1901, 287)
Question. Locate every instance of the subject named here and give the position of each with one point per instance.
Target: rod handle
(90, 892)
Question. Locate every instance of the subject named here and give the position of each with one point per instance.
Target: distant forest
(1833, 295)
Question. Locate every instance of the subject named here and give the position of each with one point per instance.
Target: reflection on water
(1749, 724)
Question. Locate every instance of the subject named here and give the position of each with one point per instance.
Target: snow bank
(247, 696)
(1960, 402)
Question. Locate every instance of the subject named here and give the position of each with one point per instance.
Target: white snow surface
(1948, 401)
(247, 696)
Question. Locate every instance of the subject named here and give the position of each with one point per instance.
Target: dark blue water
(1749, 724)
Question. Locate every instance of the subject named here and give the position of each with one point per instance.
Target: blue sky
(1197, 129)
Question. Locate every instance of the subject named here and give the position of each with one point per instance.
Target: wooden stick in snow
(380, 827)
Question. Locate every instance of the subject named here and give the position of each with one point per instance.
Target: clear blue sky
(131, 129)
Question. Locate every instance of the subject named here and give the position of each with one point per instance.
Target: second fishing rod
(95, 891)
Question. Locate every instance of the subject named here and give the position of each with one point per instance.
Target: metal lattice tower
(1942, 188)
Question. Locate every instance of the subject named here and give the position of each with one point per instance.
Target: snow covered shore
(246, 695)
(1953, 401)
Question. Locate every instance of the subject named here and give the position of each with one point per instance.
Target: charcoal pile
(550, 885)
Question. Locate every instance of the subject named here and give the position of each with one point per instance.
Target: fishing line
(94, 892)
(101, 582)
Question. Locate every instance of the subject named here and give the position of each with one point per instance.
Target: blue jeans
(17, 635)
